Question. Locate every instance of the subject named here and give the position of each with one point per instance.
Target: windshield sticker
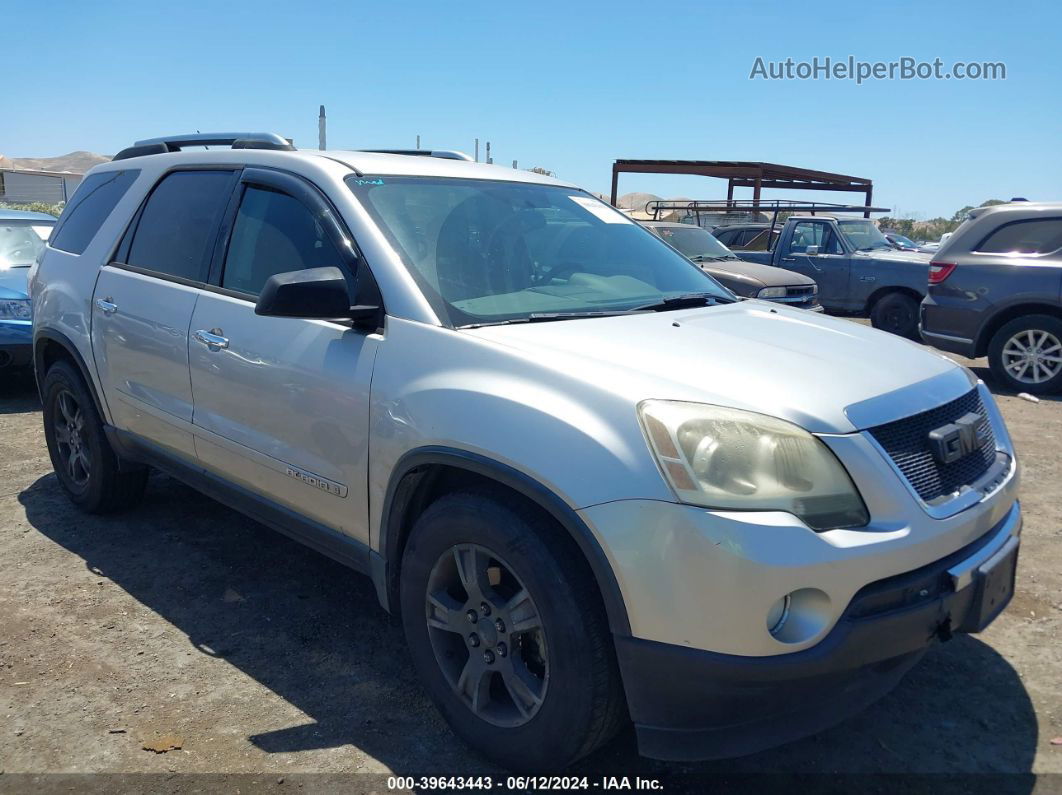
(376, 181)
(600, 210)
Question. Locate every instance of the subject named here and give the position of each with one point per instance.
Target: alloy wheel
(1032, 356)
(69, 426)
(487, 635)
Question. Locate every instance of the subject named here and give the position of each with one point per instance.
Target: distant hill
(74, 162)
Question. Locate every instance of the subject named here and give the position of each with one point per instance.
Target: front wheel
(1026, 354)
(896, 313)
(508, 632)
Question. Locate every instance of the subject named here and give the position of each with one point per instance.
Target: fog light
(777, 615)
(799, 616)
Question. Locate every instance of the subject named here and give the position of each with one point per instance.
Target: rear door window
(178, 225)
(93, 201)
(1038, 236)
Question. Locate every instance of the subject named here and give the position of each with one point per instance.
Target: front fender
(439, 387)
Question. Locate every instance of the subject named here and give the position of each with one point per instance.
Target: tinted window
(93, 201)
(177, 227)
(1025, 237)
(273, 233)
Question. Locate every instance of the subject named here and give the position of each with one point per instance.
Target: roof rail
(446, 154)
(174, 143)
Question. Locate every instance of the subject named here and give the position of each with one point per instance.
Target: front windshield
(490, 251)
(863, 235)
(21, 242)
(694, 242)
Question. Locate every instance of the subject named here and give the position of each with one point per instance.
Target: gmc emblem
(951, 442)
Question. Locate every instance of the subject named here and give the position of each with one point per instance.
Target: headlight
(16, 309)
(771, 292)
(726, 458)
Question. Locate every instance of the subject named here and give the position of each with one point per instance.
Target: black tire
(84, 462)
(582, 704)
(1005, 349)
(896, 313)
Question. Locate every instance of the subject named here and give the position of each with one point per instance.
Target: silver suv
(593, 482)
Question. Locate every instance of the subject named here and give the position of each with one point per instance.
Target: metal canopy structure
(748, 174)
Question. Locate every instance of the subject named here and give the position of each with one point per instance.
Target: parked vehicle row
(593, 483)
(747, 279)
(856, 268)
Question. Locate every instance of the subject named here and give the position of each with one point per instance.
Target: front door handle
(212, 339)
(106, 306)
(788, 259)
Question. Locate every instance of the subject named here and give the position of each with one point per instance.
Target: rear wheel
(1026, 354)
(84, 462)
(508, 632)
(896, 313)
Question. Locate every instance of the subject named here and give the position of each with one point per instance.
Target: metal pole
(488, 153)
(477, 150)
(514, 164)
(615, 182)
(418, 142)
(870, 192)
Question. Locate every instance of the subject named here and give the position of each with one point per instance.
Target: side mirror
(812, 251)
(319, 293)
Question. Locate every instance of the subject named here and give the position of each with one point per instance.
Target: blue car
(22, 237)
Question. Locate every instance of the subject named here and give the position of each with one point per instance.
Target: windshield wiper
(687, 301)
(708, 258)
(544, 317)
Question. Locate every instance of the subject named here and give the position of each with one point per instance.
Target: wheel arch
(881, 292)
(1007, 314)
(423, 474)
(49, 347)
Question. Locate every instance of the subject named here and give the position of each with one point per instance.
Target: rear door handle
(106, 306)
(212, 339)
(788, 259)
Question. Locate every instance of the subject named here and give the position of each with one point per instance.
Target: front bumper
(691, 704)
(16, 342)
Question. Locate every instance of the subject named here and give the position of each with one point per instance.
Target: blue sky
(569, 86)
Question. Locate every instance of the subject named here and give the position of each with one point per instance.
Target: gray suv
(995, 289)
(594, 485)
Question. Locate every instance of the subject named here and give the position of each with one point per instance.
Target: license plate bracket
(993, 585)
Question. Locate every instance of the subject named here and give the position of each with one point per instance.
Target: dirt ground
(183, 622)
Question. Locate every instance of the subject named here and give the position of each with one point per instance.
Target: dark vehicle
(748, 279)
(901, 242)
(995, 290)
(857, 269)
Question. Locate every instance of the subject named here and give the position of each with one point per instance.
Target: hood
(894, 255)
(769, 275)
(828, 375)
(13, 282)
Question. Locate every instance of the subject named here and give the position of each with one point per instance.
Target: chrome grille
(907, 443)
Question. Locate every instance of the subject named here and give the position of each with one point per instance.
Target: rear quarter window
(1036, 236)
(93, 201)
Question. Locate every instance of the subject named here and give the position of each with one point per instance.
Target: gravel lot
(186, 623)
